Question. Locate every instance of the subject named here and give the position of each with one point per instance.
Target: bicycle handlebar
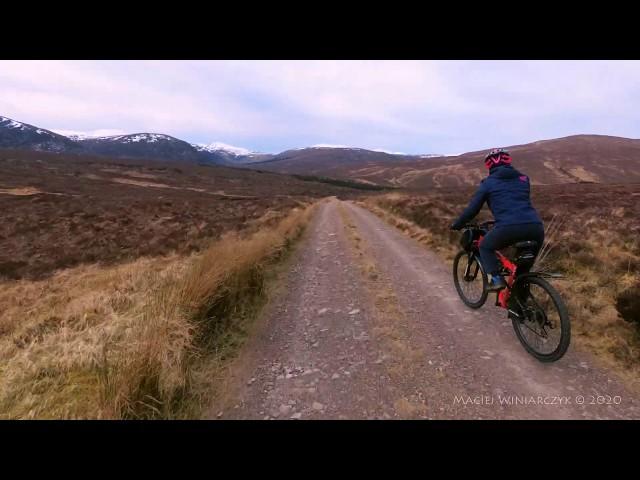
(479, 225)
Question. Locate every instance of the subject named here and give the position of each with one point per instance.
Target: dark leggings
(502, 237)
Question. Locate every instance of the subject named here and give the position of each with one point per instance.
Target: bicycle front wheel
(470, 281)
(542, 322)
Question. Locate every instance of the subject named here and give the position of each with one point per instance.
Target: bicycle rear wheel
(470, 281)
(542, 325)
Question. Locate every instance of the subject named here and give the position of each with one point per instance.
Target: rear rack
(547, 274)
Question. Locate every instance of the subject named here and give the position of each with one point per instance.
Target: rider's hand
(453, 227)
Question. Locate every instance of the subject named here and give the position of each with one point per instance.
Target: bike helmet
(497, 156)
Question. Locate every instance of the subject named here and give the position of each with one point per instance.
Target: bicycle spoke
(470, 279)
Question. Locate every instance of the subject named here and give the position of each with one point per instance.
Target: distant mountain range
(574, 159)
(154, 146)
(332, 161)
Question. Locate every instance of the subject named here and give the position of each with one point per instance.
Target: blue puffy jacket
(506, 191)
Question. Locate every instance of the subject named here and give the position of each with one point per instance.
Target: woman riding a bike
(536, 309)
(507, 192)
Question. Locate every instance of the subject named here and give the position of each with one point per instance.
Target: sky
(414, 107)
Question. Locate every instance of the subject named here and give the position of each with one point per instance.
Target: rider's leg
(494, 240)
(502, 237)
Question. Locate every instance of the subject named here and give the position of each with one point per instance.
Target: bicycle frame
(505, 293)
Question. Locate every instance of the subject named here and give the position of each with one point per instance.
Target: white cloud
(413, 106)
(139, 95)
(329, 145)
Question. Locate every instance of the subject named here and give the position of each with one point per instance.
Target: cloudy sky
(401, 106)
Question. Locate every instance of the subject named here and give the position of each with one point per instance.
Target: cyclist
(507, 192)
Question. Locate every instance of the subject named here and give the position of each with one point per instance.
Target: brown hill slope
(330, 161)
(574, 159)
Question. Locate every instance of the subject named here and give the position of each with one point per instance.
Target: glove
(453, 226)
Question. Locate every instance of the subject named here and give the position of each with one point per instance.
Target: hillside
(574, 159)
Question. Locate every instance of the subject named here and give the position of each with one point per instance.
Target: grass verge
(137, 340)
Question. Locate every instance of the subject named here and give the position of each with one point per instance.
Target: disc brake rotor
(537, 318)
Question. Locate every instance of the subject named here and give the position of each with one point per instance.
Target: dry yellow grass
(140, 183)
(432, 239)
(131, 341)
(20, 191)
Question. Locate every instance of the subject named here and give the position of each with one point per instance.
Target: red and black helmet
(497, 156)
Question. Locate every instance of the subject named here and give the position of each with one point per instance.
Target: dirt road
(369, 326)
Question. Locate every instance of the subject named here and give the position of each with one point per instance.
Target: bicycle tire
(456, 281)
(563, 314)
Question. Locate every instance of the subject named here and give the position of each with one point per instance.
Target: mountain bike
(538, 313)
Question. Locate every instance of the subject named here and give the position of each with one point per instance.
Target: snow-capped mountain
(14, 134)
(79, 137)
(223, 147)
(146, 145)
(12, 124)
(230, 154)
(153, 146)
(135, 138)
